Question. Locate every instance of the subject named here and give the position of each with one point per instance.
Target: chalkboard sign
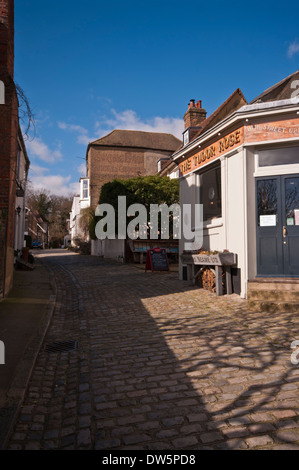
(156, 260)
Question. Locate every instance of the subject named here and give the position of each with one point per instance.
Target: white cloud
(84, 139)
(82, 169)
(126, 120)
(81, 131)
(37, 170)
(72, 127)
(59, 185)
(129, 120)
(39, 149)
(293, 48)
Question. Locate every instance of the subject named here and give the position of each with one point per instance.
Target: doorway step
(273, 294)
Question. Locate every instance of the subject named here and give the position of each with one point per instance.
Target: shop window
(210, 192)
(279, 156)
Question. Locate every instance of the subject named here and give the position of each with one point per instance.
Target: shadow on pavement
(159, 365)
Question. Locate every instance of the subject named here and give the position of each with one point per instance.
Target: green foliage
(54, 209)
(87, 222)
(92, 228)
(43, 204)
(145, 190)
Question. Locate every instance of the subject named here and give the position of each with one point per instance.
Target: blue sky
(90, 67)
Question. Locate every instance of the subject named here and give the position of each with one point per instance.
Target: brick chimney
(194, 115)
(7, 36)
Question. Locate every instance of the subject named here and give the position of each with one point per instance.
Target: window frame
(214, 167)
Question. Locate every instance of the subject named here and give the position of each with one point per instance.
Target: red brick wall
(107, 163)
(8, 149)
(7, 35)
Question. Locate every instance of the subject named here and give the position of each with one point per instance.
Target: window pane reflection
(285, 156)
(292, 201)
(266, 200)
(210, 193)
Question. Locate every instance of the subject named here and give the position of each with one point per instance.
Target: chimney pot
(195, 114)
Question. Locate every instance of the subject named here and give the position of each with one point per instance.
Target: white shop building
(242, 164)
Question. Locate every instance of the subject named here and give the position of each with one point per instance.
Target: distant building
(168, 168)
(121, 154)
(36, 228)
(125, 154)
(80, 202)
(74, 229)
(14, 162)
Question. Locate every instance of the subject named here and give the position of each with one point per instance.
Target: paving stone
(136, 439)
(259, 441)
(197, 417)
(261, 427)
(287, 436)
(173, 421)
(67, 441)
(185, 442)
(84, 437)
(33, 445)
(234, 432)
(51, 434)
(160, 365)
(210, 437)
(284, 414)
(148, 425)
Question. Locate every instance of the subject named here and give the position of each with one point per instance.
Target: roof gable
(234, 102)
(285, 89)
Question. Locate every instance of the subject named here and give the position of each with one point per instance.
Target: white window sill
(213, 223)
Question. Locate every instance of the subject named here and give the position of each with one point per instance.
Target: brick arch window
(2, 93)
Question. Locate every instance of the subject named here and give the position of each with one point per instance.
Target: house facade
(125, 154)
(36, 228)
(80, 202)
(121, 154)
(14, 161)
(242, 165)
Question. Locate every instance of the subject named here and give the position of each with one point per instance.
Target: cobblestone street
(158, 365)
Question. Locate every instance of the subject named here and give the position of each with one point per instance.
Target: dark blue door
(278, 225)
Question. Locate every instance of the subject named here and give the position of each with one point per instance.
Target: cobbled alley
(142, 360)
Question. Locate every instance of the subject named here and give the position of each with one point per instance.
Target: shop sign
(221, 146)
(156, 260)
(285, 129)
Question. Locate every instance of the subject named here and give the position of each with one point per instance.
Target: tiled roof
(280, 91)
(139, 139)
(235, 101)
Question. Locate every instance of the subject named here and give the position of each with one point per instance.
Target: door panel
(277, 201)
(290, 203)
(269, 238)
